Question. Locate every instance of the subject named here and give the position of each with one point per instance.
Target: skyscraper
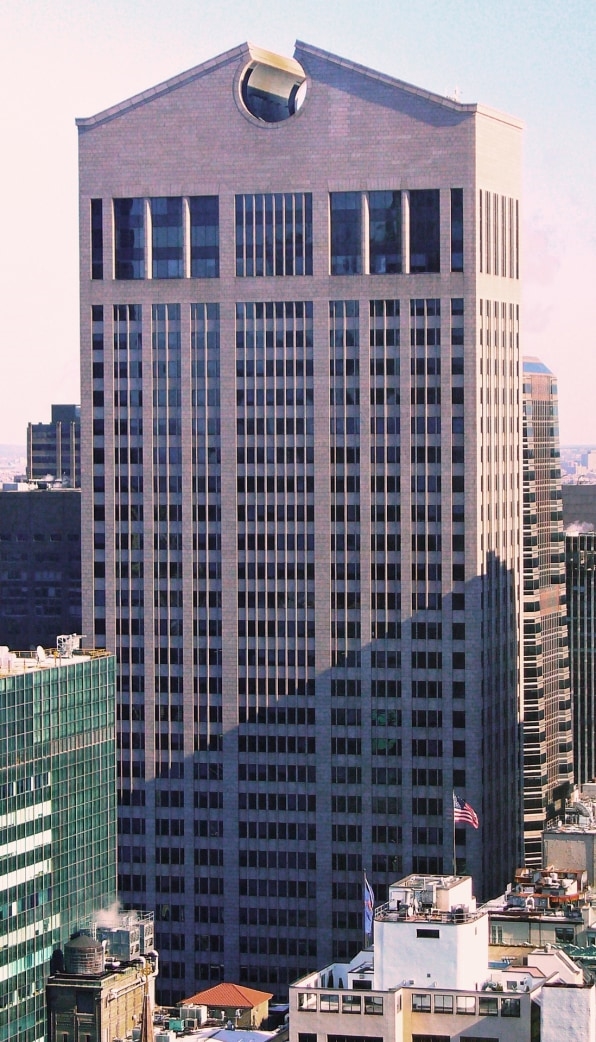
(302, 496)
(548, 748)
(57, 817)
(579, 518)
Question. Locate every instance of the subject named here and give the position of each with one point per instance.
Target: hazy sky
(65, 58)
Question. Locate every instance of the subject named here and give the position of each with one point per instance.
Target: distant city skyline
(62, 59)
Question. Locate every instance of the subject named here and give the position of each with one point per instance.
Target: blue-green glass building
(57, 816)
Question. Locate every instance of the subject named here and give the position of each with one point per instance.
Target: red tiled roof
(228, 995)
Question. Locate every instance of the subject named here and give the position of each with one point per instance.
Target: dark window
(488, 1006)
(431, 1038)
(346, 233)
(424, 231)
(510, 1007)
(129, 238)
(96, 239)
(384, 232)
(274, 234)
(167, 240)
(457, 229)
(428, 933)
(204, 236)
(354, 1038)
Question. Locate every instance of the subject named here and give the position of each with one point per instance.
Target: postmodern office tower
(548, 749)
(302, 497)
(57, 817)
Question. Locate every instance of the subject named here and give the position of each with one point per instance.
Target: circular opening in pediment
(273, 91)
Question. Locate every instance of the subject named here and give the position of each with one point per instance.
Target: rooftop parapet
(66, 653)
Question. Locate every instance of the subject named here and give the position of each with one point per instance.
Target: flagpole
(365, 878)
(453, 812)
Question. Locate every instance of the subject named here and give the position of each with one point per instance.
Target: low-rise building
(432, 975)
(230, 1004)
(93, 997)
(545, 906)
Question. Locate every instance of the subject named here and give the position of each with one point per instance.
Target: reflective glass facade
(129, 238)
(167, 238)
(57, 821)
(274, 234)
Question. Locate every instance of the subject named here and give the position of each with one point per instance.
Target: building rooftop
(445, 899)
(66, 653)
(228, 995)
(302, 52)
(534, 365)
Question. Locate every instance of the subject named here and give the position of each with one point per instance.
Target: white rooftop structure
(432, 974)
(66, 653)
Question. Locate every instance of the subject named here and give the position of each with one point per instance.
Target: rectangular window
(457, 229)
(424, 231)
(307, 1001)
(129, 238)
(351, 1003)
(204, 236)
(96, 239)
(465, 1004)
(384, 216)
(274, 234)
(167, 238)
(373, 1005)
(477, 1038)
(488, 1006)
(510, 1007)
(346, 233)
(329, 1003)
(443, 1003)
(480, 230)
(421, 1003)
(356, 1038)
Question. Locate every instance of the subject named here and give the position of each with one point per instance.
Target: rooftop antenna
(66, 643)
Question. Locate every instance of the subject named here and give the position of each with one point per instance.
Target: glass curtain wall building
(548, 746)
(302, 497)
(57, 818)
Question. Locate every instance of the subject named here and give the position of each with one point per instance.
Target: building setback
(301, 457)
(57, 817)
(548, 750)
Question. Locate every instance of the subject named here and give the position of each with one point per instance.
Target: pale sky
(65, 58)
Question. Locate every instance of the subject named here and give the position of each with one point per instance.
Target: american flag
(464, 813)
(369, 906)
